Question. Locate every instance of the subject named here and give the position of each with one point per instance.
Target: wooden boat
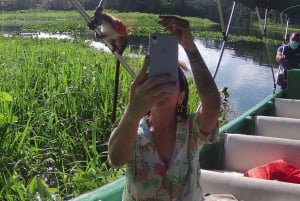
(267, 132)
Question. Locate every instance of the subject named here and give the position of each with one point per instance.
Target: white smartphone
(163, 52)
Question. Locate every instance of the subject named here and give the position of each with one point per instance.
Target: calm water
(245, 68)
(247, 74)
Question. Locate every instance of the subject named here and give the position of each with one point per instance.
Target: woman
(160, 147)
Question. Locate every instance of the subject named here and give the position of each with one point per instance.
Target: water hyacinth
(61, 92)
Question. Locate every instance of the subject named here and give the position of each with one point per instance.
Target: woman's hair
(183, 86)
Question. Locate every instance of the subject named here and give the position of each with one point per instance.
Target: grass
(59, 93)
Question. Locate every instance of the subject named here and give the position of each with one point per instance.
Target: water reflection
(245, 67)
(48, 35)
(248, 77)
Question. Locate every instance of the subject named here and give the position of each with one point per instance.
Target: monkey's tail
(116, 92)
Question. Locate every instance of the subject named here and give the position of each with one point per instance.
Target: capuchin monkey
(114, 31)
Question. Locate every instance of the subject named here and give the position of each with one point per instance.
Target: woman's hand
(179, 27)
(145, 91)
(206, 87)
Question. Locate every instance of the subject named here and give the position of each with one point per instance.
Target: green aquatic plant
(62, 92)
(6, 113)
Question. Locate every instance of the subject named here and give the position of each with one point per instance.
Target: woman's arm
(206, 87)
(208, 92)
(122, 139)
(144, 93)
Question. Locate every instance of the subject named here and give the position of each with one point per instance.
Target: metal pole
(224, 42)
(259, 19)
(267, 49)
(101, 4)
(221, 16)
(266, 22)
(286, 31)
(85, 15)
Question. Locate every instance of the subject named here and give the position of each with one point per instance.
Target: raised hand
(145, 91)
(179, 27)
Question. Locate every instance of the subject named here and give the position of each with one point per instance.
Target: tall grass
(61, 103)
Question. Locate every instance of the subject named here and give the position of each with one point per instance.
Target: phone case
(163, 51)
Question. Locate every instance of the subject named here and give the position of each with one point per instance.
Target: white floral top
(148, 179)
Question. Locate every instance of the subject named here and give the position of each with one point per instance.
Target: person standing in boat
(156, 138)
(289, 57)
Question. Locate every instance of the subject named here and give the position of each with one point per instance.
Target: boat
(267, 132)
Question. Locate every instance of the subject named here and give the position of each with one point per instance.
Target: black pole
(116, 92)
(225, 39)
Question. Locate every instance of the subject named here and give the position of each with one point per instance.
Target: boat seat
(243, 152)
(248, 189)
(287, 108)
(280, 127)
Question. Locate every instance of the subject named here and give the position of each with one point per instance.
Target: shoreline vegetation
(55, 104)
(138, 23)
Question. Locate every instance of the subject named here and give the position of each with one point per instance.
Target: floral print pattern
(147, 177)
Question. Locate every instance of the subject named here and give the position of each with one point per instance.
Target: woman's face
(173, 99)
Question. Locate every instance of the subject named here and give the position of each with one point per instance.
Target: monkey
(115, 32)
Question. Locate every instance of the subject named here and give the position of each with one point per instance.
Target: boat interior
(267, 134)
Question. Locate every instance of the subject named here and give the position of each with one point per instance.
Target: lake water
(245, 68)
(248, 79)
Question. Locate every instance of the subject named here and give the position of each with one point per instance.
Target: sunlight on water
(247, 81)
(99, 46)
(47, 35)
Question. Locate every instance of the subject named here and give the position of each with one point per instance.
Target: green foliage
(72, 21)
(60, 93)
(138, 24)
(6, 115)
(225, 109)
(203, 8)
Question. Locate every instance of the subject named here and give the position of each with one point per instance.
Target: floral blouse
(147, 177)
